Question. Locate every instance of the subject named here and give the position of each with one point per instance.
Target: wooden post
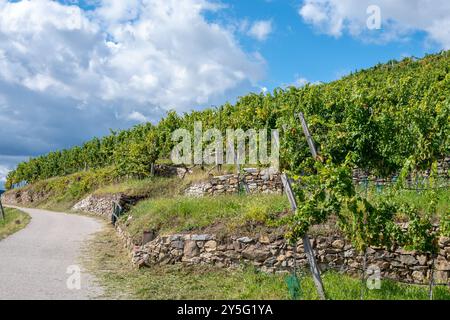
(2, 211)
(315, 271)
(309, 139)
(244, 183)
(152, 169)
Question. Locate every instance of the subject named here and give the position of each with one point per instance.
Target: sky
(71, 70)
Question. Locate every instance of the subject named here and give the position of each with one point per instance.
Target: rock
(441, 277)
(338, 244)
(252, 253)
(442, 265)
(270, 261)
(408, 259)
(349, 253)
(201, 237)
(191, 249)
(384, 265)
(444, 241)
(210, 245)
(179, 244)
(264, 239)
(221, 247)
(422, 260)
(405, 252)
(206, 255)
(245, 240)
(176, 237)
(418, 276)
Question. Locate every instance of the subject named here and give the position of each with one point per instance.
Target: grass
(15, 220)
(155, 187)
(186, 214)
(61, 193)
(110, 263)
(341, 287)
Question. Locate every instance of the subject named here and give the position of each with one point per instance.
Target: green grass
(15, 220)
(155, 187)
(341, 287)
(186, 214)
(61, 193)
(107, 259)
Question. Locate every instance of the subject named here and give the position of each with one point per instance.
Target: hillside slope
(382, 116)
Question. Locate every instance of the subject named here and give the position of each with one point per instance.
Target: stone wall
(258, 181)
(272, 254)
(102, 205)
(25, 197)
(171, 171)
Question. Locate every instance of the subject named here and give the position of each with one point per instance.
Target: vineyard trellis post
(315, 271)
(241, 182)
(116, 212)
(2, 211)
(309, 139)
(309, 251)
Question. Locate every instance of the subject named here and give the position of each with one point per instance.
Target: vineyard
(381, 117)
(392, 120)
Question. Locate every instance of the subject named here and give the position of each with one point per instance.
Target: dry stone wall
(102, 205)
(272, 254)
(24, 197)
(259, 181)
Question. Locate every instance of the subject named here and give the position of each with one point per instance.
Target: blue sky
(71, 70)
(294, 49)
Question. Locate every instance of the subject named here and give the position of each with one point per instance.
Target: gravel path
(39, 261)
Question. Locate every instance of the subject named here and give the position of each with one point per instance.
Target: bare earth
(34, 262)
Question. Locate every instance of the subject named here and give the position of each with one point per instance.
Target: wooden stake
(2, 211)
(309, 139)
(315, 271)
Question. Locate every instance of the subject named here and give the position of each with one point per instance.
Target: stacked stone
(272, 254)
(170, 171)
(96, 204)
(259, 181)
(25, 196)
(102, 205)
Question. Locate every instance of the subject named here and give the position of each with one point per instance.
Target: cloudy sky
(71, 70)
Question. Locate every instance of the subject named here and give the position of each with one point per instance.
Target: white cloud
(399, 18)
(137, 116)
(260, 30)
(3, 173)
(301, 82)
(67, 74)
